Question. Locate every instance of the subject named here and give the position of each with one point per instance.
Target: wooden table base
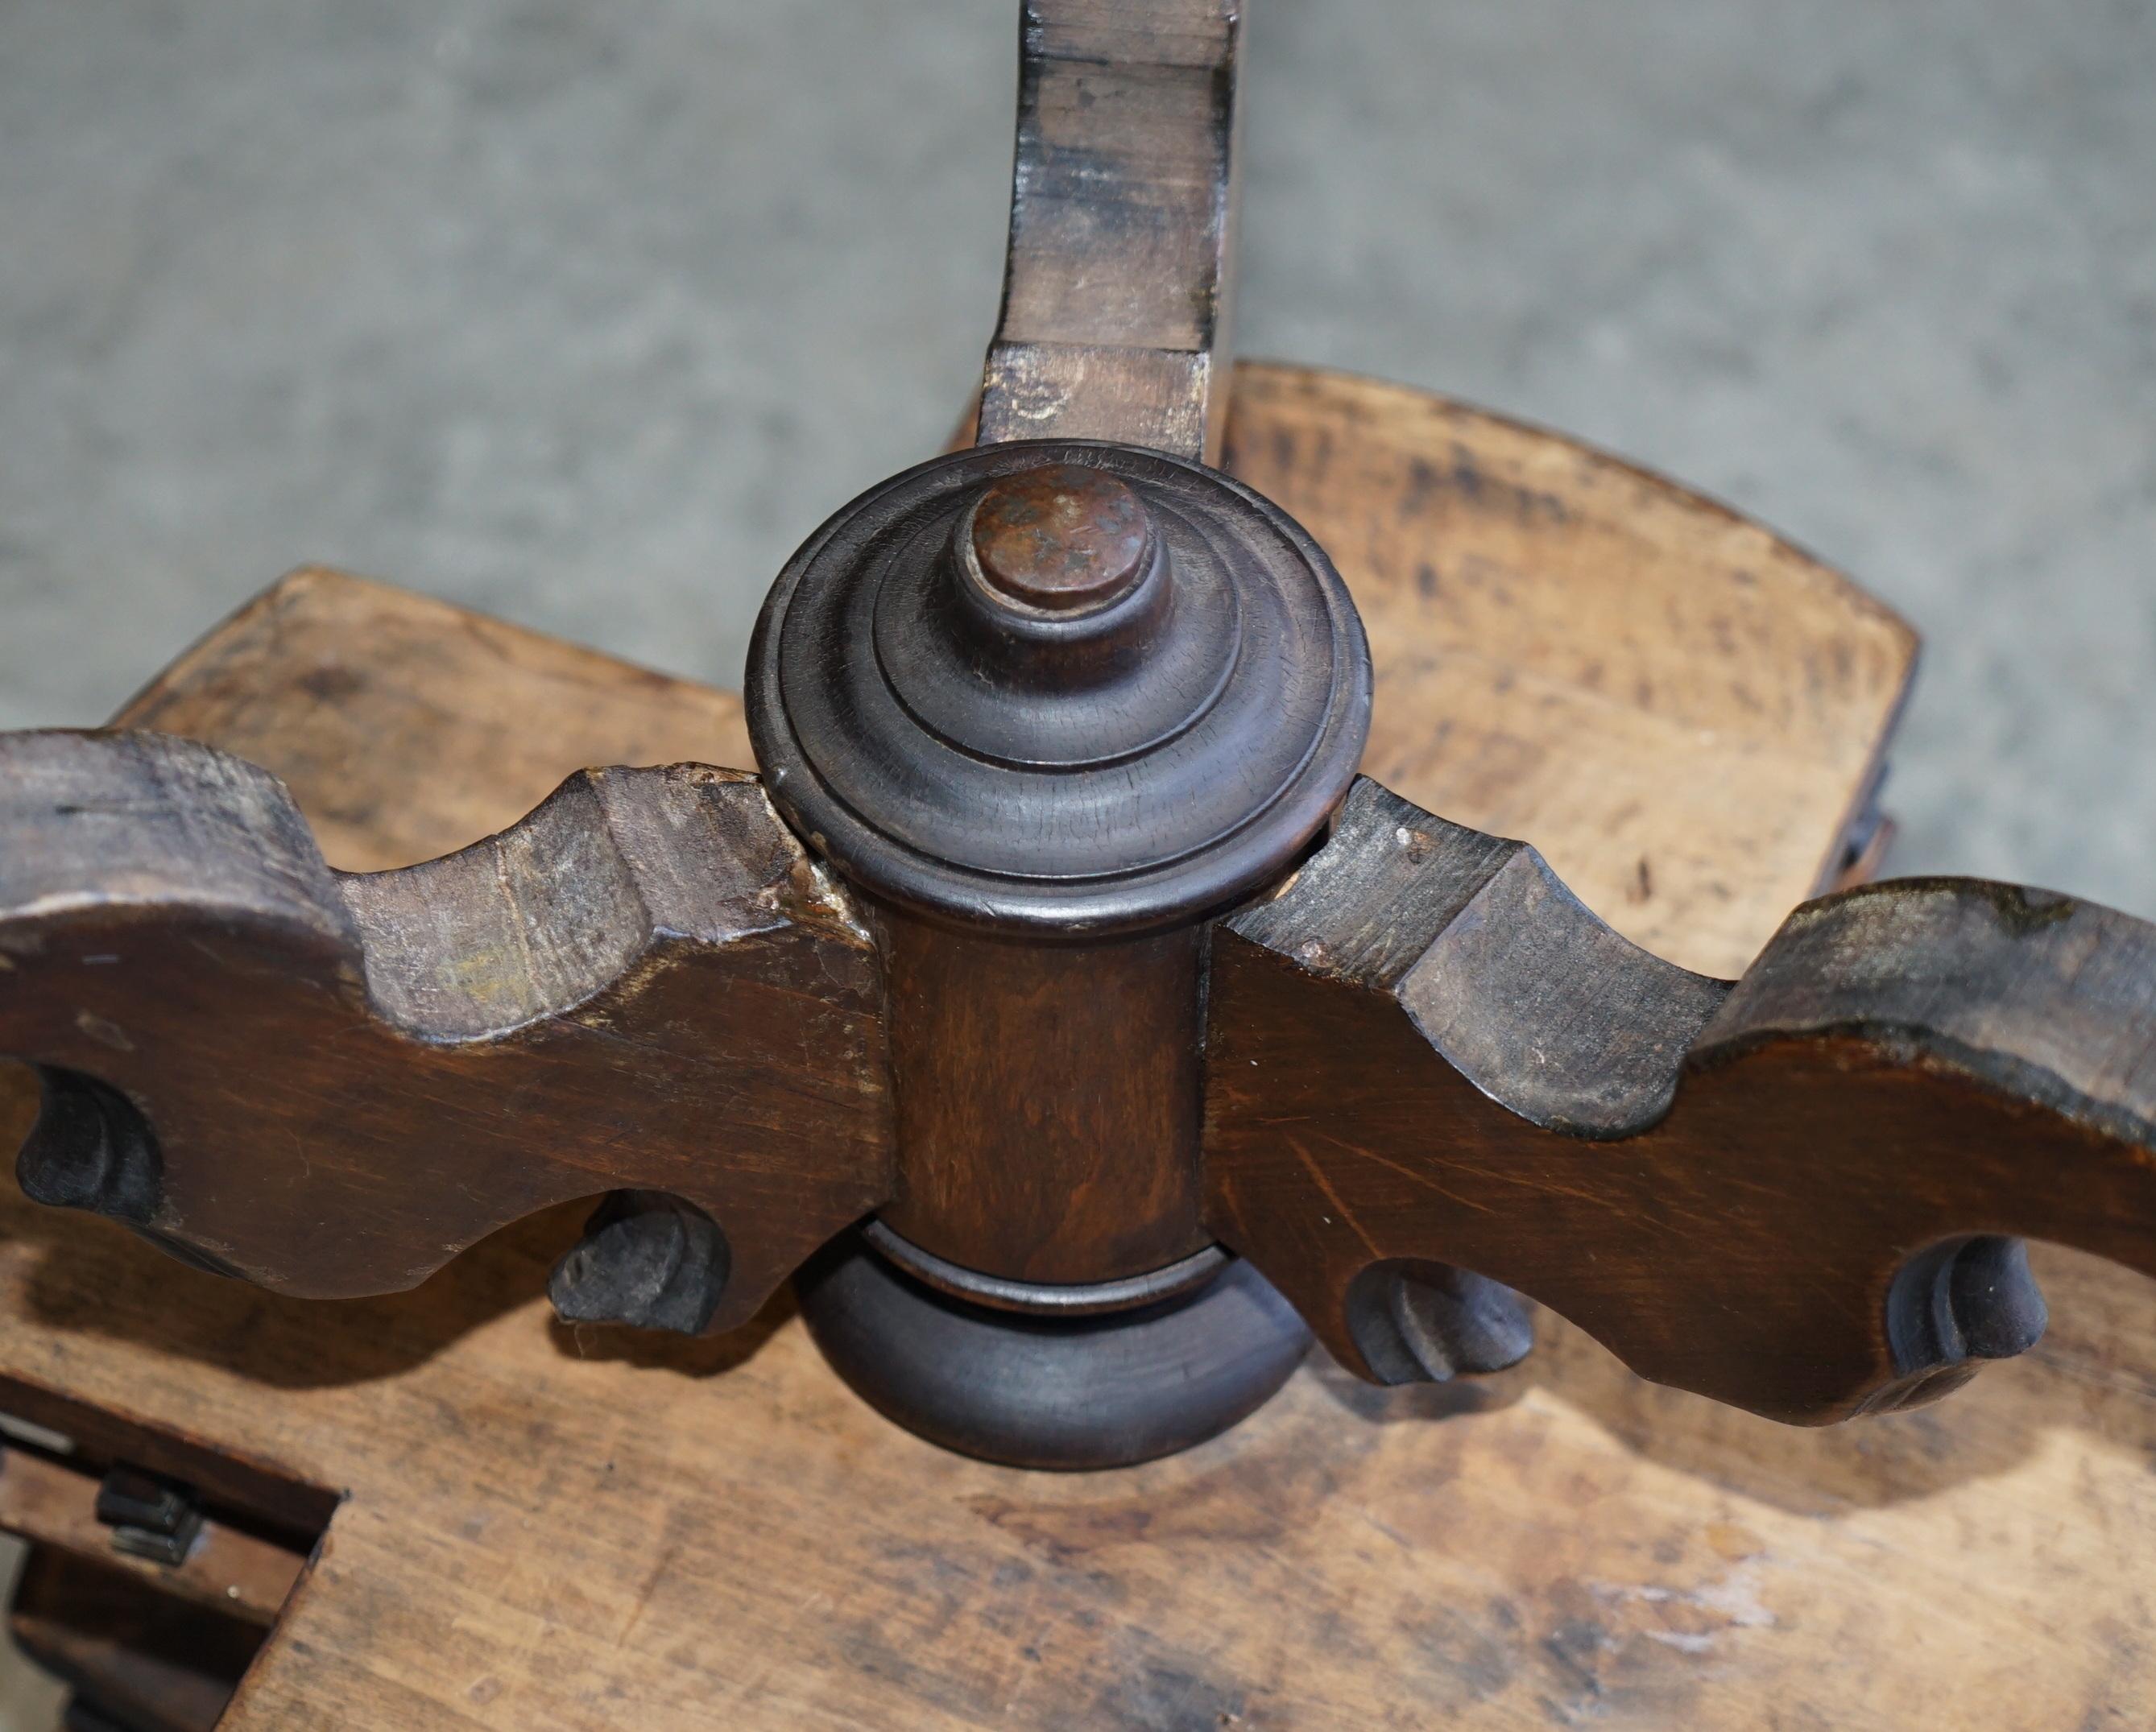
(542, 1527)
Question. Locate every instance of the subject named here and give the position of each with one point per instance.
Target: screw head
(1061, 538)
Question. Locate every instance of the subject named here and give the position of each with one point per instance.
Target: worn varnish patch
(1682, 712)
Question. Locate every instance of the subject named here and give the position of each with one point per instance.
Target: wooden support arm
(1116, 287)
(1793, 1194)
(332, 1083)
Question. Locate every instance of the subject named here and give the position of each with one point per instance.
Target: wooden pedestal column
(1011, 1165)
(1051, 706)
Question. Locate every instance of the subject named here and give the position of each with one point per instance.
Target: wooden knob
(1059, 689)
(1060, 538)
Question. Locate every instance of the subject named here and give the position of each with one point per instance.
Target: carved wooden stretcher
(1114, 969)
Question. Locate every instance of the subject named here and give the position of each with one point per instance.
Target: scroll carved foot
(646, 1260)
(1423, 1323)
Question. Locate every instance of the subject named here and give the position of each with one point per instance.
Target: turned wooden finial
(1151, 676)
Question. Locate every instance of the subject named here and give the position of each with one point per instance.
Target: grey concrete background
(585, 314)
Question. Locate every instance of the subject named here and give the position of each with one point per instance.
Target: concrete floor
(585, 315)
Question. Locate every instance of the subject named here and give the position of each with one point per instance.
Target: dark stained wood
(348, 1079)
(1061, 538)
(1047, 801)
(1109, 1389)
(1129, 767)
(1004, 1165)
(549, 1528)
(1120, 239)
(1117, 284)
(1518, 531)
(1426, 1051)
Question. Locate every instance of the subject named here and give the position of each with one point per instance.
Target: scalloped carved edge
(644, 984)
(1426, 1049)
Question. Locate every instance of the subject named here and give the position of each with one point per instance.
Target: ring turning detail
(1161, 740)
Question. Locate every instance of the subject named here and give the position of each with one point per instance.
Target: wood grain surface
(1797, 1194)
(1118, 281)
(133, 1655)
(321, 659)
(644, 984)
(1002, 1172)
(1680, 710)
(551, 1528)
(53, 1503)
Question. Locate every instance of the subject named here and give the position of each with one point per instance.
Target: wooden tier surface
(547, 1528)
